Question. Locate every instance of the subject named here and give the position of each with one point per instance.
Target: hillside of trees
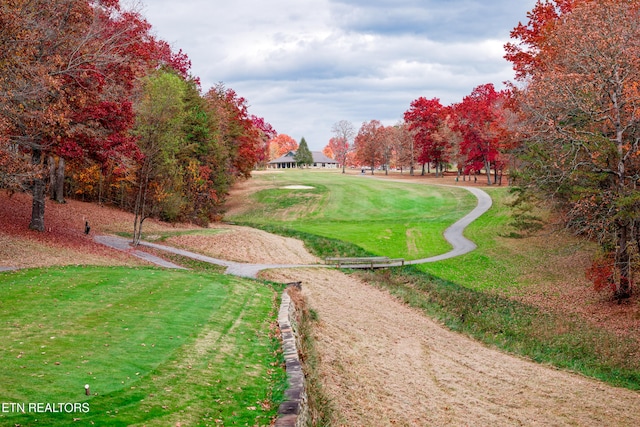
(93, 106)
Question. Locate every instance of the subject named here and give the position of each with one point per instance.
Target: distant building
(319, 161)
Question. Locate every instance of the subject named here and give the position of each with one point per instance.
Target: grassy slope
(157, 347)
(499, 293)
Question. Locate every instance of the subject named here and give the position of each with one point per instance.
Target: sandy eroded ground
(384, 363)
(244, 244)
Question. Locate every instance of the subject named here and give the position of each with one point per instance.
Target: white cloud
(306, 64)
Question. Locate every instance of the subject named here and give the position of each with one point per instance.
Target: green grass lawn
(381, 217)
(401, 219)
(156, 347)
(494, 264)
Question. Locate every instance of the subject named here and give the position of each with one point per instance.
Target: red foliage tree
(602, 272)
(67, 68)
(237, 130)
(337, 149)
(480, 120)
(531, 39)
(342, 142)
(266, 133)
(425, 118)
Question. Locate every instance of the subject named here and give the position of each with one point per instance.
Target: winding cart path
(454, 235)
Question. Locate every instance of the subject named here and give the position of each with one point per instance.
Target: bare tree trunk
(60, 170)
(56, 178)
(52, 177)
(138, 210)
(487, 167)
(38, 204)
(100, 187)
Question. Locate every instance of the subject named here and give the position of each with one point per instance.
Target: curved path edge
(454, 235)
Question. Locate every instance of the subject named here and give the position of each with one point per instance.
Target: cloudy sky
(304, 65)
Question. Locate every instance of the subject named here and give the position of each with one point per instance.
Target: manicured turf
(382, 217)
(156, 347)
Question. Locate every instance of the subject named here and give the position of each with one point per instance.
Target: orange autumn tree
(281, 145)
(579, 100)
(67, 68)
(369, 144)
(531, 39)
(327, 151)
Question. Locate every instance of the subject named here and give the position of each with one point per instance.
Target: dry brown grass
(383, 363)
(243, 244)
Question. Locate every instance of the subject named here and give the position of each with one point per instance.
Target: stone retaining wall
(293, 412)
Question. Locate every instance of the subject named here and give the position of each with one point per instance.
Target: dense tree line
(91, 103)
(578, 69)
(475, 135)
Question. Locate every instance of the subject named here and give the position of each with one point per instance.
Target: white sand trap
(298, 187)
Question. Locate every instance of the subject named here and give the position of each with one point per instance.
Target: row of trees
(92, 102)
(567, 128)
(475, 135)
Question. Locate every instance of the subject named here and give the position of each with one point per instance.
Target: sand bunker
(298, 187)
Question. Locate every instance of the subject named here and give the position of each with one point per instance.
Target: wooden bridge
(365, 262)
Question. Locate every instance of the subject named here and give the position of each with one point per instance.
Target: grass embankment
(476, 293)
(156, 347)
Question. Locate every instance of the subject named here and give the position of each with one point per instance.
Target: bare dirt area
(236, 203)
(243, 244)
(384, 363)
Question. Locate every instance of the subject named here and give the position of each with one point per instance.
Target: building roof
(318, 157)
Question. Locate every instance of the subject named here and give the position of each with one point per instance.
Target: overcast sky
(304, 65)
